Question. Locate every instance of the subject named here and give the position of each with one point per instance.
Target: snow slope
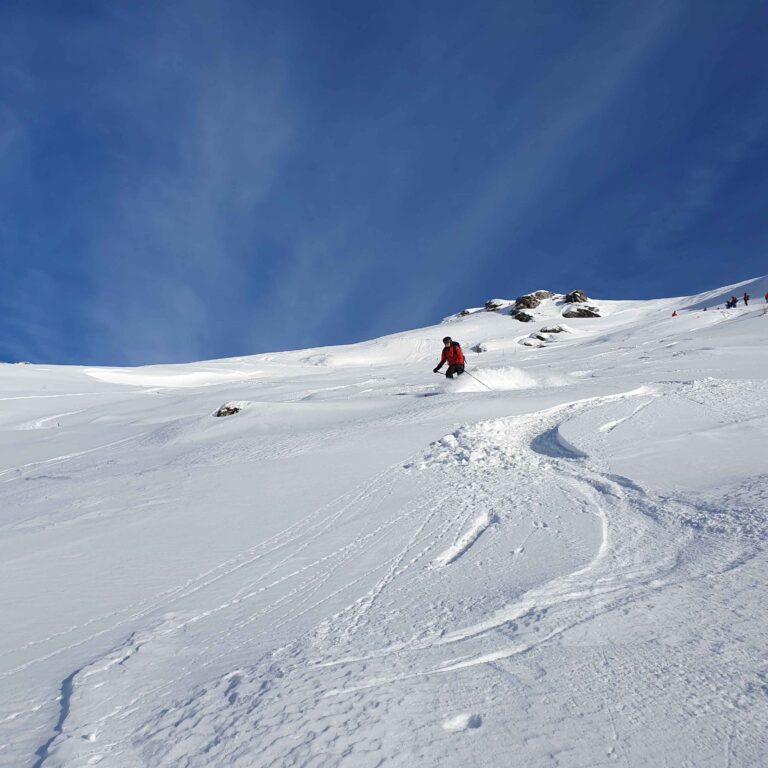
(368, 565)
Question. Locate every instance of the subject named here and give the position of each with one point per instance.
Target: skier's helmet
(447, 340)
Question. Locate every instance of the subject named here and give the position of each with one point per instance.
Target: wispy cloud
(27, 333)
(165, 255)
(211, 178)
(696, 193)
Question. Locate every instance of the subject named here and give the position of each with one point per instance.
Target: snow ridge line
(67, 689)
(65, 699)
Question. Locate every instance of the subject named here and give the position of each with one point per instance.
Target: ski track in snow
(41, 423)
(466, 540)
(64, 457)
(609, 426)
(489, 455)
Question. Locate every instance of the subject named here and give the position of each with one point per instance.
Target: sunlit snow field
(558, 563)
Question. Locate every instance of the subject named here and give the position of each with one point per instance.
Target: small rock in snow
(228, 409)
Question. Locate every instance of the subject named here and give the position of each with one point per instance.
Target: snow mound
(489, 443)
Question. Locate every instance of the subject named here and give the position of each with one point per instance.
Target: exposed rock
(464, 313)
(585, 311)
(541, 336)
(492, 305)
(531, 343)
(228, 409)
(532, 300)
(479, 348)
(529, 301)
(523, 317)
(555, 329)
(576, 297)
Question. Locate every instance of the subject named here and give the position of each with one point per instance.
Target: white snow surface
(369, 565)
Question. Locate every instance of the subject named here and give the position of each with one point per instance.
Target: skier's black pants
(454, 370)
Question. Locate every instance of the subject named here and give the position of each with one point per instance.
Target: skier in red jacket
(452, 355)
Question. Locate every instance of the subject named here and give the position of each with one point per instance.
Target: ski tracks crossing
(414, 576)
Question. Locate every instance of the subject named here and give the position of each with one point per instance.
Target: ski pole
(478, 380)
(470, 375)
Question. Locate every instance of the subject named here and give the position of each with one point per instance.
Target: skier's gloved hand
(436, 370)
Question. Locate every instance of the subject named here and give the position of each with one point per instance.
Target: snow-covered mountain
(559, 561)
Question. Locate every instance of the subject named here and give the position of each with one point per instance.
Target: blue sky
(200, 179)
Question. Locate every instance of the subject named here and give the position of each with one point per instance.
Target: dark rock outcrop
(464, 313)
(532, 300)
(523, 317)
(582, 311)
(553, 329)
(576, 297)
(492, 306)
(529, 301)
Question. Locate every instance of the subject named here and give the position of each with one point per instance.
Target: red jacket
(452, 355)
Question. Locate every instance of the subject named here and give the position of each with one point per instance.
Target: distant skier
(452, 355)
(674, 314)
(766, 297)
(731, 304)
(746, 299)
